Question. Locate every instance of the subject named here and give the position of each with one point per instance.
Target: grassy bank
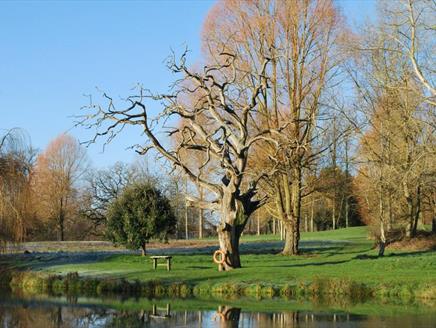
(333, 263)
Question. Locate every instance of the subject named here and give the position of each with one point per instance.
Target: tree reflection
(228, 316)
(53, 315)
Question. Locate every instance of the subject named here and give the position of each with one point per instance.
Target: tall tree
(216, 125)
(58, 170)
(16, 205)
(301, 38)
(397, 134)
(103, 186)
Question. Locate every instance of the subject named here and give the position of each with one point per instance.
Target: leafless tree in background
(58, 170)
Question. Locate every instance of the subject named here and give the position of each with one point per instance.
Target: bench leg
(169, 264)
(154, 264)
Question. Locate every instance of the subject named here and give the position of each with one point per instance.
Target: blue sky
(52, 53)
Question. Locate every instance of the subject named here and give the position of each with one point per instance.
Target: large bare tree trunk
(293, 215)
(233, 221)
(292, 237)
(228, 236)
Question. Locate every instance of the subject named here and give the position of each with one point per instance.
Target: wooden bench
(163, 257)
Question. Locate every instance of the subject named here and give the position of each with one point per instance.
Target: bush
(141, 212)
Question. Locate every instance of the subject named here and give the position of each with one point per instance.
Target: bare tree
(102, 187)
(217, 124)
(409, 26)
(301, 38)
(416, 34)
(397, 136)
(57, 172)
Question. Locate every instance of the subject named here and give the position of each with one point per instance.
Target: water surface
(47, 312)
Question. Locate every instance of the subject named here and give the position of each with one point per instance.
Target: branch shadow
(298, 265)
(405, 254)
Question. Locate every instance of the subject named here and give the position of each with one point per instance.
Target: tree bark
(143, 249)
(389, 223)
(347, 209)
(61, 221)
(228, 236)
(305, 223)
(292, 237)
(382, 241)
(229, 233)
(334, 213)
(233, 221)
(312, 214)
(417, 212)
(382, 238)
(293, 215)
(61, 228)
(409, 210)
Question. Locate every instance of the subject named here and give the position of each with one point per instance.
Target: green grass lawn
(344, 254)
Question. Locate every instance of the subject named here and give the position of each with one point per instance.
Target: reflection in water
(47, 315)
(228, 316)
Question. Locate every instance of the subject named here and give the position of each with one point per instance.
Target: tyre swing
(219, 257)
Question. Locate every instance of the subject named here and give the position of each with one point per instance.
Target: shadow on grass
(197, 267)
(298, 265)
(406, 254)
(320, 249)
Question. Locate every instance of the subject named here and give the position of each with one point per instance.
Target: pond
(47, 312)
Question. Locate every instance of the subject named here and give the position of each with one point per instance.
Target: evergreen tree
(140, 213)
